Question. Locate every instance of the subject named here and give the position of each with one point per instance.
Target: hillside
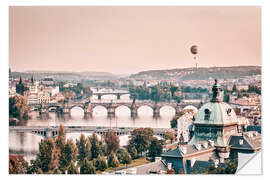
(200, 73)
(66, 76)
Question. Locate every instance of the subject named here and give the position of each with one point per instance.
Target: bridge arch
(77, 111)
(99, 110)
(123, 110)
(77, 105)
(148, 110)
(52, 106)
(191, 107)
(171, 110)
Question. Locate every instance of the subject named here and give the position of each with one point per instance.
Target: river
(26, 144)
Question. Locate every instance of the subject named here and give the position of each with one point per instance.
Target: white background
(4, 79)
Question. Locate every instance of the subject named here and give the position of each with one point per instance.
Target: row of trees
(241, 93)
(88, 155)
(155, 93)
(188, 89)
(74, 91)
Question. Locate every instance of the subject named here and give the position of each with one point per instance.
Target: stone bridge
(118, 94)
(112, 105)
(52, 131)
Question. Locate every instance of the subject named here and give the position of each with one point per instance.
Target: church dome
(216, 112)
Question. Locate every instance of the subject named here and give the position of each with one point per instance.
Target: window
(229, 111)
(207, 113)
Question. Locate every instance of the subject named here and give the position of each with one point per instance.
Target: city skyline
(128, 40)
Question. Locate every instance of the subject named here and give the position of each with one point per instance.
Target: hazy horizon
(28, 71)
(128, 40)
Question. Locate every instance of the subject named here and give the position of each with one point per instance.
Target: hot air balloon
(194, 49)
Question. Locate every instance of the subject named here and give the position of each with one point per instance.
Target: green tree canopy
(101, 163)
(68, 154)
(72, 169)
(133, 152)
(155, 148)
(112, 142)
(46, 155)
(18, 107)
(140, 139)
(87, 167)
(84, 149)
(112, 160)
(123, 156)
(95, 147)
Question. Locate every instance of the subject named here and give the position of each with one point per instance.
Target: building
(43, 98)
(20, 87)
(58, 97)
(32, 98)
(48, 81)
(217, 137)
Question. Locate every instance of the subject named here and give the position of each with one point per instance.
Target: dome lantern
(216, 92)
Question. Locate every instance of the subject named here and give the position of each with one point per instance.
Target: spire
(215, 91)
(20, 82)
(32, 80)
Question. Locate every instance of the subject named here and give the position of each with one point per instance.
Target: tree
(87, 167)
(155, 148)
(55, 171)
(18, 107)
(169, 135)
(60, 140)
(112, 142)
(133, 153)
(140, 139)
(45, 155)
(155, 93)
(174, 122)
(229, 167)
(84, 149)
(123, 156)
(54, 164)
(234, 89)
(173, 89)
(95, 149)
(72, 169)
(112, 160)
(17, 164)
(226, 97)
(68, 154)
(33, 167)
(101, 163)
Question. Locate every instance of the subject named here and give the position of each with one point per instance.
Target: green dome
(216, 113)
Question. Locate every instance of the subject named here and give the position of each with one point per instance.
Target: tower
(20, 87)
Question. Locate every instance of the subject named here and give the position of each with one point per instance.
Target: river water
(26, 144)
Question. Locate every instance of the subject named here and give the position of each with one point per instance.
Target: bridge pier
(43, 111)
(133, 111)
(177, 110)
(88, 111)
(156, 112)
(111, 111)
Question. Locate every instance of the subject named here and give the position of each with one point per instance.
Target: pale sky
(125, 40)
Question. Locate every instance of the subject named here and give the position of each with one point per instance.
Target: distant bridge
(52, 131)
(117, 93)
(111, 106)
